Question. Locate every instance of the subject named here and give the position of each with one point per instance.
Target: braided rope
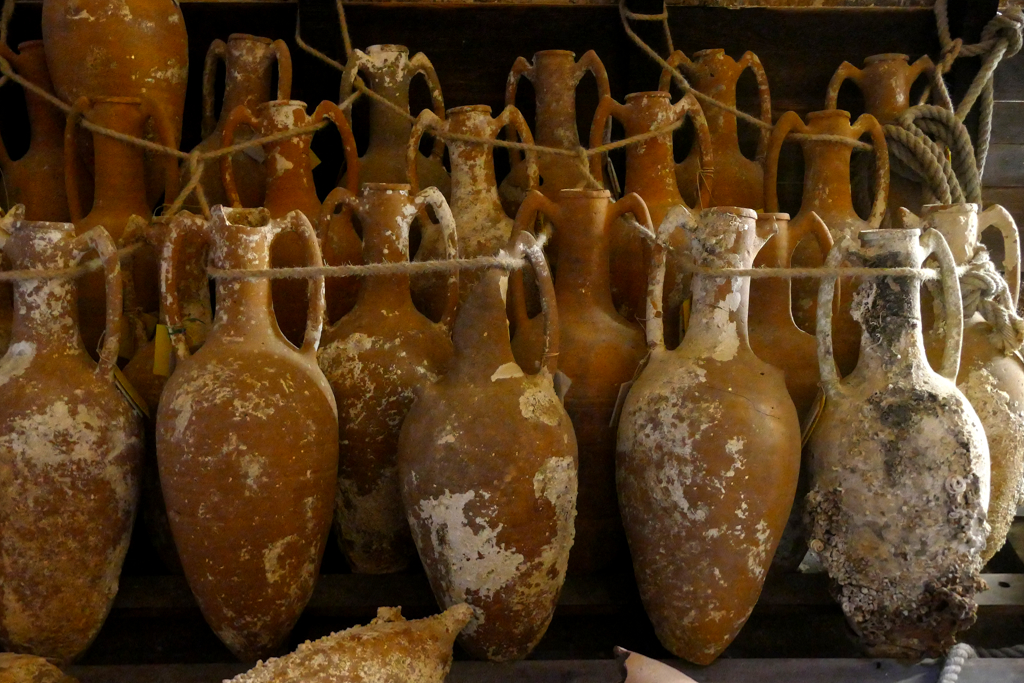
(955, 660)
(984, 291)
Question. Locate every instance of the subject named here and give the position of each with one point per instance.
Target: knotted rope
(961, 652)
(984, 291)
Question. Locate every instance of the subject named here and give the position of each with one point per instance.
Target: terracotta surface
(290, 187)
(899, 463)
(97, 49)
(708, 451)
(36, 180)
(885, 81)
(555, 75)
(600, 351)
(775, 339)
(119, 194)
(389, 648)
(30, 669)
(483, 226)
(70, 454)
(827, 194)
(376, 358)
(247, 442)
(991, 378)
(389, 70)
(248, 67)
(650, 174)
(488, 468)
(739, 181)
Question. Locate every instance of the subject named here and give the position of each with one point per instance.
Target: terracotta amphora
(154, 362)
(600, 352)
(827, 194)
(98, 49)
(649, 173)
(30, 669)
(885, 81)
(775, 339)
(991, 374)
(389, 70)
(375, 358)
(708, 450)
(483, 226)
(899, 462)
(488, 466)
(119, 194)
(389, 648)
(248, 68)
(247, 441)
(555, 74)
(36, 180)
(739, 181)
(289, 173)
(70, 453)
(6, 292)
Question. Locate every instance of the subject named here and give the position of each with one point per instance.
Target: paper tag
(811, 418)
(562, 384)
(162, 352)
(136, 401)
(256, 153)
(623, 392)
(314, 160)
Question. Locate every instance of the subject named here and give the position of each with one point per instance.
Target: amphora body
(247, 442)
(899, 463)
(708, 452)
(70, 453)
(488, 465)
(376, 358)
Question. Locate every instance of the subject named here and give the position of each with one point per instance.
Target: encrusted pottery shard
(641, 669)
(387, 650)
(991, 375)
(487, 458)
(30, 669)
(376, 358)
(708, 452)
(600, 351)
(70, 453)
(899, 463)
(247, 441)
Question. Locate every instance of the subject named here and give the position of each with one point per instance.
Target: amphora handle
(99, 240)
(520, 68)
(431, 196)
(526, 245)
(534, 203)
(239, 115)
(296, 221)
(790, 122)
(866, 123)
(677, 218)
(421, 65)
(827, 369)
(932, 242)
(181, 226)
(217, 52)
(1001, 219)
(846, 71)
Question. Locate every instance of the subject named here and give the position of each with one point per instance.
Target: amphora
(708, 450)
(488, 466)
(376, 358)
(247, 441)
(899, 464)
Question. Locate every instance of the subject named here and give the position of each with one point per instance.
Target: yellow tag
(129, 392)
(686, 314)
(314, 159)
(812, 417)
(162, 352)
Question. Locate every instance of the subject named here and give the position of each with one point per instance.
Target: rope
(65, 273)
(955, 660)
(984, 291)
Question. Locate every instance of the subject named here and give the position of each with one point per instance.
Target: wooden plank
(1008, 122)
(1004, 166)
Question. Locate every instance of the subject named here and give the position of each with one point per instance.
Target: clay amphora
(389, 71)
(148, 375)
(885, 82)
(70, 453)
(600, 351)
(990, 376)
(649, 173)
(555, 74)
(488, 468)
(6, 292)
(290, 187)
(483, 226)
(708, 451)
(899, 462)
(775, 339)
(248, 67)
(120, 193)
(389, 648)
(827, 194)
(36, 180)
(30, 669)
(376, 357)
(99, 49)
(739, 181)
(247, 441)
